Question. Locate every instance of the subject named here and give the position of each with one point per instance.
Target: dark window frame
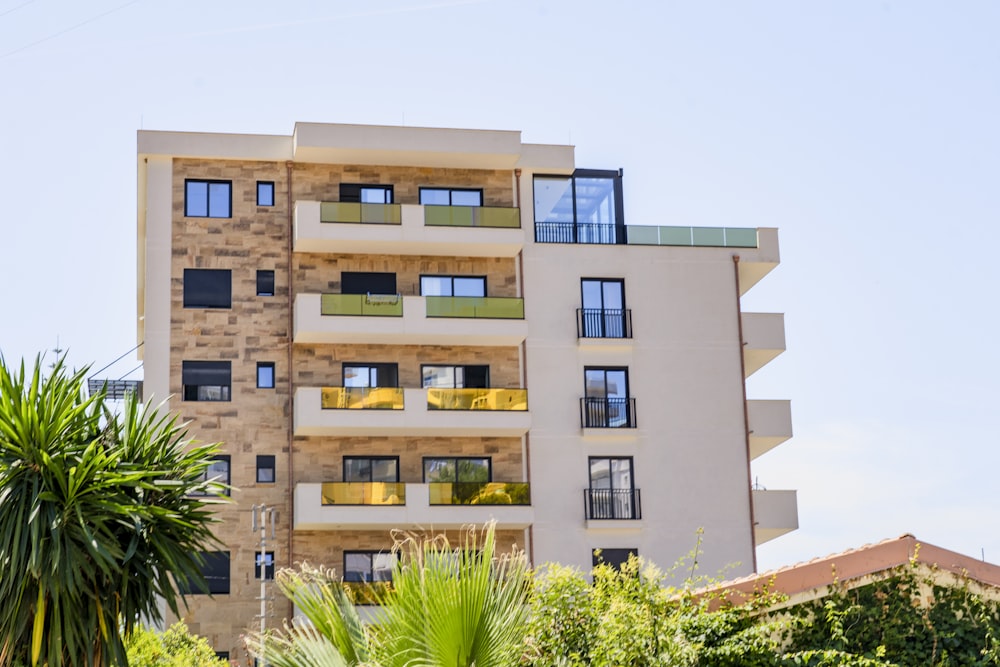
(603, 322)
(268, 566)
(265, 185)
(456, 459)
(217, 582)
(454, 366)
(617, 556)
(345, 459)
(371, 553)
(228, 459)
(197, 295)
(266, 462)
(353, 192)
(450, 192)
(208, 197)
(378, 366)
(628, 392)
(451, 278)
(576, 226)
(216, 369)
(264, 365)
(265, 282)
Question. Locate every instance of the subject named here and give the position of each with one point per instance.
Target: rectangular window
(371, 469)
(215, 569)
(606, 402)
(218, 471)
(583, 208)
(613, 557)
(268, 561)
(365, 194)
(371, 375)
(453, 285)
(265, 193)
(457, 469)
(368, 282)
(206, 380)
(208, 199)
(265, 283)
(455, 377)
(208, 288)
(451, 197)
(265, 375)
(603, 314)
(368, 566)
(611, 494)
(265, 469)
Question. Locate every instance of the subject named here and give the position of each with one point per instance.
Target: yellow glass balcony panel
(487, 307)
(361, 398)
(477, 399)
(378, 305)
(376, 214)
(364, 493)
(480, 493)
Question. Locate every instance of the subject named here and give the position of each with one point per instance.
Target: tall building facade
(412, 328)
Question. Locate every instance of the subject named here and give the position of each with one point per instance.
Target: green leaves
(96, 513)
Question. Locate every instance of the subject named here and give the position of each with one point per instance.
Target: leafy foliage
(174, 648)
(97, 511)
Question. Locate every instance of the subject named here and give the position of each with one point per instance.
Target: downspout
(291, 395)
(524, 366)
(746, 412)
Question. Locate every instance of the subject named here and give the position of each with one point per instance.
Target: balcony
(603, 323)
(420, 506)
(696, 237)
(770, 425)
(336, 411)
(600, 233)
(409, 320)
(612, 504)
(763, 339)
(775, 513)
(607, 413)
(406, 229)
(363, 493)
(480, 493)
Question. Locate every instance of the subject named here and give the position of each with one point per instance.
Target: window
(457, 469)
(265, 283)
(208, 288)
(356, 282)
(603, 314)
(265, 375)
(453, 285)
(208, 199)
(265, 469)
(613, 557)
(583, 208)
(371, 468)
(206, 380)
(451, 197)
(366, 194)
(218, 471)
(606, 402)
(215, 569)
(222, 655)
(371, 375)
(455, 377)
(368, 566)
(268, 560)
(611, 494)
(265, 193)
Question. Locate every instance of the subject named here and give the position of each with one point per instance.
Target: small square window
(265, 375)
(208, 288)
(265, 469)
(268, 559)
(265, 193)
(265, 283)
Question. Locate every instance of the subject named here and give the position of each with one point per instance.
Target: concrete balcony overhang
(411, 237)
(763, 339)
(770, 425)
(310, 419)
(755, 263)
(312, 514)
(775, 513)
(414, 327)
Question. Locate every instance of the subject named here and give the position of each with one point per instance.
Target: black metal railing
(607, 412)
(603, 323)
(602, 233)
(612, 503)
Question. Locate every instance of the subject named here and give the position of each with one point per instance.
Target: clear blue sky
(867, 131)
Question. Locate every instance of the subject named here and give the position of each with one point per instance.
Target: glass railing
(368, 592)
(386, 305)
(480, 493)
(360, 398)
(364, 493)
(710, 237)
(487, 307)
(471, 216)
(477, 399)
(376, 214)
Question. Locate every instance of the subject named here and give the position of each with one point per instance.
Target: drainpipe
(291, 396)
(746, 412)
(526, 447)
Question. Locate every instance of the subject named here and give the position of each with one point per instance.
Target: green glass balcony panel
(642, 235)
(362, 398)
(741, 237)
(675, 236)
(478, 399)
(472, 216)
(376, 214)
(379, 305)
(480, 493)
(708, 236)
(488, 307)
(364, 493)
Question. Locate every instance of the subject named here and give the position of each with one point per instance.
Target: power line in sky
(62, 32)
(17, 7)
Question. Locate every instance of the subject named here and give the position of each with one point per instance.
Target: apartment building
(413, 328)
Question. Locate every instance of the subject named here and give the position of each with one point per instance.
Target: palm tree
(99, 514)
(447, 606)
